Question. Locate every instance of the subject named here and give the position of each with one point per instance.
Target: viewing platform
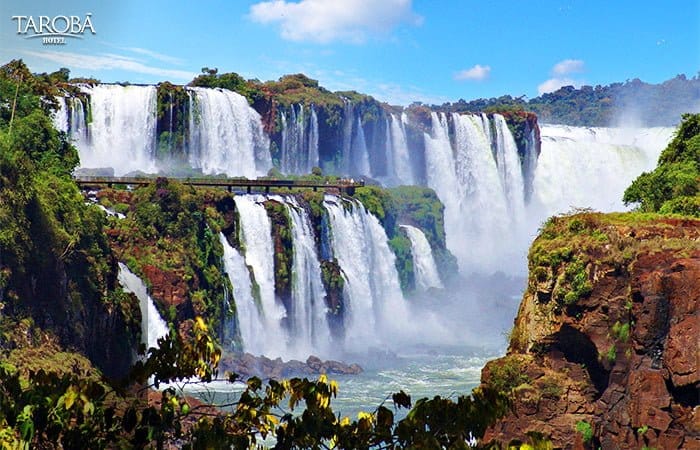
(258, 185)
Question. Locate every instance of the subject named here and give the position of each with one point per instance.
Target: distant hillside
(633, 101)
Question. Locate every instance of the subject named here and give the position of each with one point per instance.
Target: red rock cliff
(605, 348)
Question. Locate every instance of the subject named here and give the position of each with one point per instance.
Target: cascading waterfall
(359, 150)
(249, 314)
(591, 167)
(256, 237)
(122, 130)
(400, 157)
(309, 333)
(509, 169)
(313, 160)
(426, 272)
(299, 153)
(60, 116)
(153, 327)
(442, 177)
(375, 307)
(226, 134)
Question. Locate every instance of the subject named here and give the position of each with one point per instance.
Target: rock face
(605, 348)
(247, 365)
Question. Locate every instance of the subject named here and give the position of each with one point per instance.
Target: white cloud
(559, 78)
(324, 21)
(108, 61)
(553, 84)
(476, 73)
(568, 66)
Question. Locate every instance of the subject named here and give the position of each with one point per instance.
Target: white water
(122, 133)
(153, 327)
(309, 330)
(256, 238)
(591, 167)
(400, 158)
(226, 135)
(376, 312)
(424, 268)
(60, 116)
(313, 160)
(509, 169)
(249, 318)
(299, 152)
(442, 177)
(359, 150)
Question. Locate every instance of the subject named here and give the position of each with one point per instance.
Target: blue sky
(397, 50)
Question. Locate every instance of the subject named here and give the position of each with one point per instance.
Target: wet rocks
(247, 365)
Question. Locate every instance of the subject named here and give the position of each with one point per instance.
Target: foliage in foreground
(48, 408)
(674, 186)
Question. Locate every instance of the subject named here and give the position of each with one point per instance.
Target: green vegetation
(170, 239)
(674, 186)
(506, 374)
(56, 266)
(621, 331)
(232, 81)
(172, 126)
(76, 408)
(654, 104)
(283, 243)
(412, 205)
(585, 429)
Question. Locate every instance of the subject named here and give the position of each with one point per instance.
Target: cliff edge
(604, 352)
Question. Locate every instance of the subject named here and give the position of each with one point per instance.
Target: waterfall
(153, 327)
(375, 307)
(249, 316)
(293, 142)
(122, 130)
(591, 167)
(400, 157)
(346, 144)
(256, 238)
(424, 267)
(309, 329)
(313, 160)
(299, 152)
(360, 155)
(442, 177)
(60, 116)
(509, 169)
(226, 135)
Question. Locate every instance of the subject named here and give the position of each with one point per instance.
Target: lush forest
(633, 102)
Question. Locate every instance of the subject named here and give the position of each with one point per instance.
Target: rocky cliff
(604, 351)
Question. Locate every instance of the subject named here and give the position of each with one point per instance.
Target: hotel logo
(54, 30)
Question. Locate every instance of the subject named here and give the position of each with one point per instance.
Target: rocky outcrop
(247, 365)
(604, 352)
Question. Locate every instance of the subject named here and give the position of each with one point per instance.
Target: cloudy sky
(397, 50)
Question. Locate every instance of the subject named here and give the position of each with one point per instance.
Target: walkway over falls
(342, 185)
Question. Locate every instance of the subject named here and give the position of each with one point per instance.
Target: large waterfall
(117, 127)
(591, 167)
(256, 237)
(496, 193)
(226, 134)
(249, 314)
(153, 327)
(375, 307)
(309, 327)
